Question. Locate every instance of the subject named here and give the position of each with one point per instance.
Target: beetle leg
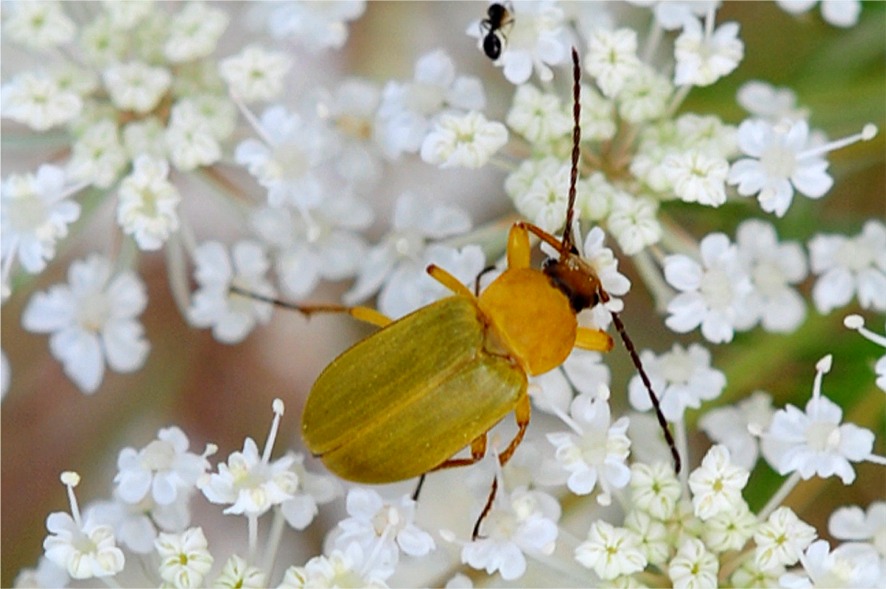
(486, 509)
(519, 249)
(449, 281)
(521, 412)
(365, 314)
(478, 451)
(541, 234)
(593, 339)
(421, 482)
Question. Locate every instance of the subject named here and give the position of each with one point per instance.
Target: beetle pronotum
(388, 410)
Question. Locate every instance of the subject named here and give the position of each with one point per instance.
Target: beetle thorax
(528, 319)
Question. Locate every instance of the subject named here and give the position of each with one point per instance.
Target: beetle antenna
(646, 382)
(568, 240)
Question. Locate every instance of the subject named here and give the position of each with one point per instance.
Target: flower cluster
(216, 135)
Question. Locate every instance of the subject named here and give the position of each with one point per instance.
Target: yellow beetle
(405, 400)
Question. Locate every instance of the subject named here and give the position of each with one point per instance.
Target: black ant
(498, 17)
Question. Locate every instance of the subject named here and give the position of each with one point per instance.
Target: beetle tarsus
(475, 535)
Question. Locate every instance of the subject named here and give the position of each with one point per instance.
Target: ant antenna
(568, 240)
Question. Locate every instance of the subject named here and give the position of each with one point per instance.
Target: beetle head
(575, 278)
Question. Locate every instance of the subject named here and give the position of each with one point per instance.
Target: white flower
(597, 451)
(47, 574)
(705, 55)
(751, 576)
(136, 86)
(730, 529)
(239, 574)
(194, 32)
(148, 202)
(410, 287)
(714, 293)
(780, 161)
(350, 109)
(848, 565)
(415, 221)
(644, 96)
(313, 489)
(597, 116)
(349, 568)
(731, 425)
(682, 378)
(38, 25)
(92, 320)
(250, 483)
(651, 536)
(255, 74)
(612, 59)
(164, 469)
(285, 160)
(697, 176)
(538, 116)
(407, 110)
(540, 191)
(84, 549)
(813, 442)
(382, 528)
(611, 552)
(605, 265)
(583, 371)
(840, 13)
(781, 539)
(190, 138)
(772, 266)
(35, 213)
(693, 567)
(634, 223)
(655, 489)
(856, 322)
(765, 101)
(314, 25)
(231, 316)
(850, 266)
(136, 525)
(534, 39)
(466, 141)
(717, 484)
(145, 137)
(184, 558)
(37, 100)
(98, 157)
(310, 245)
(707, 133)
(525, 521)
(854, 524)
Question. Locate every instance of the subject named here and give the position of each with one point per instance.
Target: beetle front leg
(593, 339)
